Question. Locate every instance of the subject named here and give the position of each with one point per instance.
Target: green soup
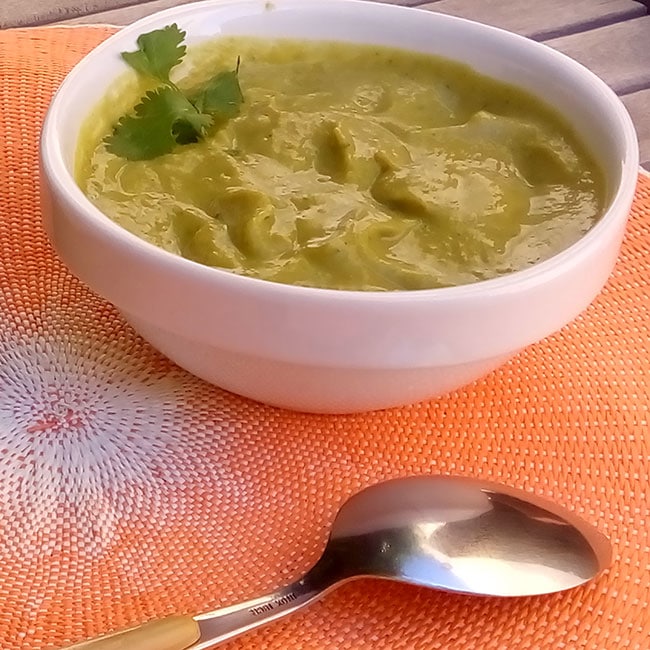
(353, 167)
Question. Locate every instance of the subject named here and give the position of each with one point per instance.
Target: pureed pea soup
(352, 167)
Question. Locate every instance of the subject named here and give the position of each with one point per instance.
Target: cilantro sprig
(167, 117)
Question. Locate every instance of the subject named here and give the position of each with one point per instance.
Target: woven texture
(130, 489)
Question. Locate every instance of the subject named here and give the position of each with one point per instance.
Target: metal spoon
(451, 533)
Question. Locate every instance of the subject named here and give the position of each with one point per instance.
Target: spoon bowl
(451, 533)
(465, 535)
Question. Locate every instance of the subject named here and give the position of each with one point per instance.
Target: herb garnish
(167, 117)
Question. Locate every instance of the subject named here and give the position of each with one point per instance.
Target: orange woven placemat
(129, 489)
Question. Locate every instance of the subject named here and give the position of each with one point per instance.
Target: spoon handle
(223, 624)
(171, 633)
(207, 630)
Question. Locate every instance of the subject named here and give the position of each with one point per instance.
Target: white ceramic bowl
(323, 350)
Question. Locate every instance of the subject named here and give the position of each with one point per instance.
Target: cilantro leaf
(164, 118)
(158, 52)
(221, 96)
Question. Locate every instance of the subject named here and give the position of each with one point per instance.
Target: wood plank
(407, 3)
(619, 53)
(19, 13)
(638, 104)
(126, 15)
(542, 20)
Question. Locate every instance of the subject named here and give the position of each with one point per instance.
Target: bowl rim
(63, 183)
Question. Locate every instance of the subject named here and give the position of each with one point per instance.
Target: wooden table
(612, 37)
